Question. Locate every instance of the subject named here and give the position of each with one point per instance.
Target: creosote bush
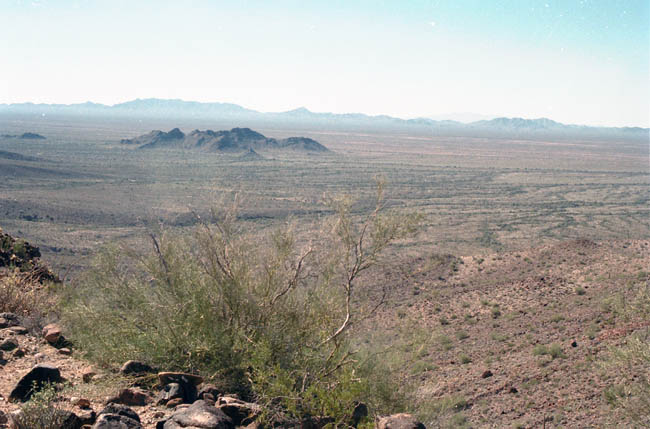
(271, 318)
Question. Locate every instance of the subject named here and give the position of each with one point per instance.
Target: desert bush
(41, 412)
(268, 318)
(21, 293)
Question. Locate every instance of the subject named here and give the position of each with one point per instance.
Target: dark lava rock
(33, 381)
(487, 373)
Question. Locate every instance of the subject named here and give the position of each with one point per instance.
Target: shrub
(266, 318)
(21, 293)
(41, 412)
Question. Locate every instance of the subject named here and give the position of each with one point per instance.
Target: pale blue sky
(576, 61)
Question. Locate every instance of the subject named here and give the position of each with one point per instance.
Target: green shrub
(41, 412)
(266, 318)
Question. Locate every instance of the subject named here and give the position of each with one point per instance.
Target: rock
(399, 421)
(179, 377)
(133, 367)
(115, 421)
(40, 357)
(87, 417)
(121, 410)
(199, 415)
(80, 402)
(574, 343)
(8, 320)
(3, 418)
(18, 330)
(208, 389)
(487, 373)
(241, 413)
(183, 385)
(513, 390)
(64, 351)
(131, 396)
(71, 420)
(172, 403)
(52, 333)
(18, 353)
(170, 391)
(9, 344)
(33, 381)
(87, 375)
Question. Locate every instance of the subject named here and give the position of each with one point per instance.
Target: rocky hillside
(19, 254)
(235, 140)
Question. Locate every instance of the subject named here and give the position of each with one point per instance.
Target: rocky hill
(235, 140)
(23, 136)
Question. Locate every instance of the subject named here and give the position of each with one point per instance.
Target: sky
(574, 61)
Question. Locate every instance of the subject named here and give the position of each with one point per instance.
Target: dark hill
(235, 140)
(24, 136)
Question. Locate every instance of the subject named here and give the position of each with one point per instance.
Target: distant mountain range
(235, 140)
(159, 108)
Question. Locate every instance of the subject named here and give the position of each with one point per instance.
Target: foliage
(21, 293)
(41, 412)
(272, 319)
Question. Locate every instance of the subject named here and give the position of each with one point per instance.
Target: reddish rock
(131, 396)
(52, 333)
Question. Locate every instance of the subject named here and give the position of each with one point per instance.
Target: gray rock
(199, 415)
(115, 421)
(34, 381)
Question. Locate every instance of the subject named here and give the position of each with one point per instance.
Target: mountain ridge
(179, 108)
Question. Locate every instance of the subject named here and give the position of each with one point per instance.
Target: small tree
(272, 318)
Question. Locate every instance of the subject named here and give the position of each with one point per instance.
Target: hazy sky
(576, 61)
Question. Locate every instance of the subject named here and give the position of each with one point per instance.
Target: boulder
(33, 381)
(199, 415)
(399, 421)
